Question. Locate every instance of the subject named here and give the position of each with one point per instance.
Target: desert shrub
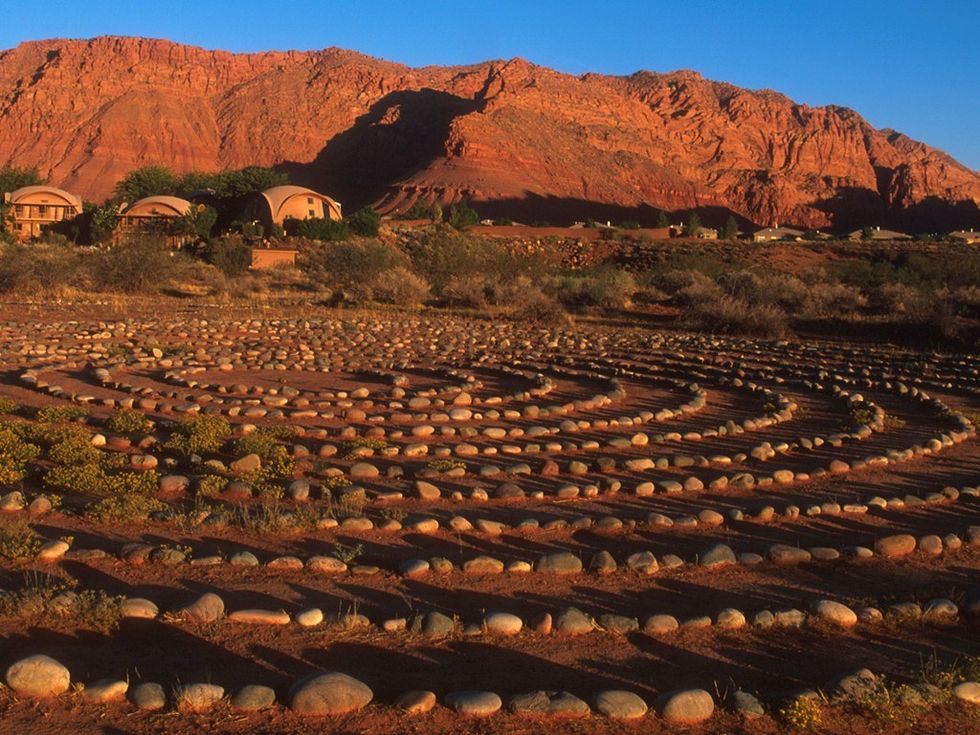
(607, 287)
(892, 299)
(350, 268)
(353, 448)
(802, 713)
(825, 299)
(461, 216)
(74, 450)
(141, 264)
(210, 486)
(445, 465)
(667, 281)
(727, 315)
(400, 286)
(8, 405)
(890, 705)
(230, 254)
(701, 290)
(318, 228)
(198, 435)
(347, 553)
(19, 542)
(474, 290)
(39, 269)
(15, 453)
(443, 256)
(129, 421)
(364, 222)
(126, 508)
(526, 302)
(54, 414)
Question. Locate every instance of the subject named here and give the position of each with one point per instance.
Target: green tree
(364, 222)
(13, 178)
(867, 233)
(693, 225)
(147, 181)
(200, 221)
(102, 222)
(461, 216)
(730, 230)
(317, 228)
(810, 235)
(662, 220)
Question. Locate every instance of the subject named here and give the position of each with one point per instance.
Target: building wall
(272, 257)
(300, 206)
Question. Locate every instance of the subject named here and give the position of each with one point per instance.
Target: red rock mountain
(512, 137)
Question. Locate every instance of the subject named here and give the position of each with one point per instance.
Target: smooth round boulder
(38, 676)
(835, 613)
(500, 623)
(253, 697)
(618, 704)
(548, 704)
(474, 703)
(895, 547)
(560, 562)
(328, 693)
(199, 697)
(148, 696)
(968, 691)
(416, 702)
(685, 706)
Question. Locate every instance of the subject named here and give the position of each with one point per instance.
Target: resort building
(33, 208)
(280, 203)
(157, 215)
(878, 234)
(969, 237)
(777, 233)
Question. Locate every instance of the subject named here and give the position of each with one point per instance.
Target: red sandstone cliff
(512, 135)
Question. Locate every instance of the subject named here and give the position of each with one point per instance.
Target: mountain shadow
(402, 133)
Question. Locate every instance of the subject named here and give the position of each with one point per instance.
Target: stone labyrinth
(383, 516)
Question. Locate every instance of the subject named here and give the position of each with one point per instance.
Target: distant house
(706, 233)
(33, 208)
(878, 234)
(156, 215)
(777, 233)
(965, 236)
(280, 203)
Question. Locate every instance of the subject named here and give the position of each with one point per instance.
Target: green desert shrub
(727, 315)
(198, 435)
(126, 508)
(55, 414)
(400, 286)
(129, 421)
(19, 542)
(15, 453)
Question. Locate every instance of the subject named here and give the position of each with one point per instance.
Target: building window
(18, 227)
(309, 200)
(19, 210)
(42, 210)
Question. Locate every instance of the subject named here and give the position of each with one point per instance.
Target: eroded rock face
(368, 130)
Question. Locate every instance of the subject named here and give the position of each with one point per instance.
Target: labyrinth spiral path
(399, 523)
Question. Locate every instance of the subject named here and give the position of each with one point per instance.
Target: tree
(317, 228)
(662, 220)
(102, 222)
(867, 233)
(200, 221)
(364, 222)
(730, 230)
(147, 181)
(630, 224)
(461, 216)
(13, 178)
(693, 225)
(811, 235)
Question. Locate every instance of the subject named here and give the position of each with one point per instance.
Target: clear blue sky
(911, 66)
